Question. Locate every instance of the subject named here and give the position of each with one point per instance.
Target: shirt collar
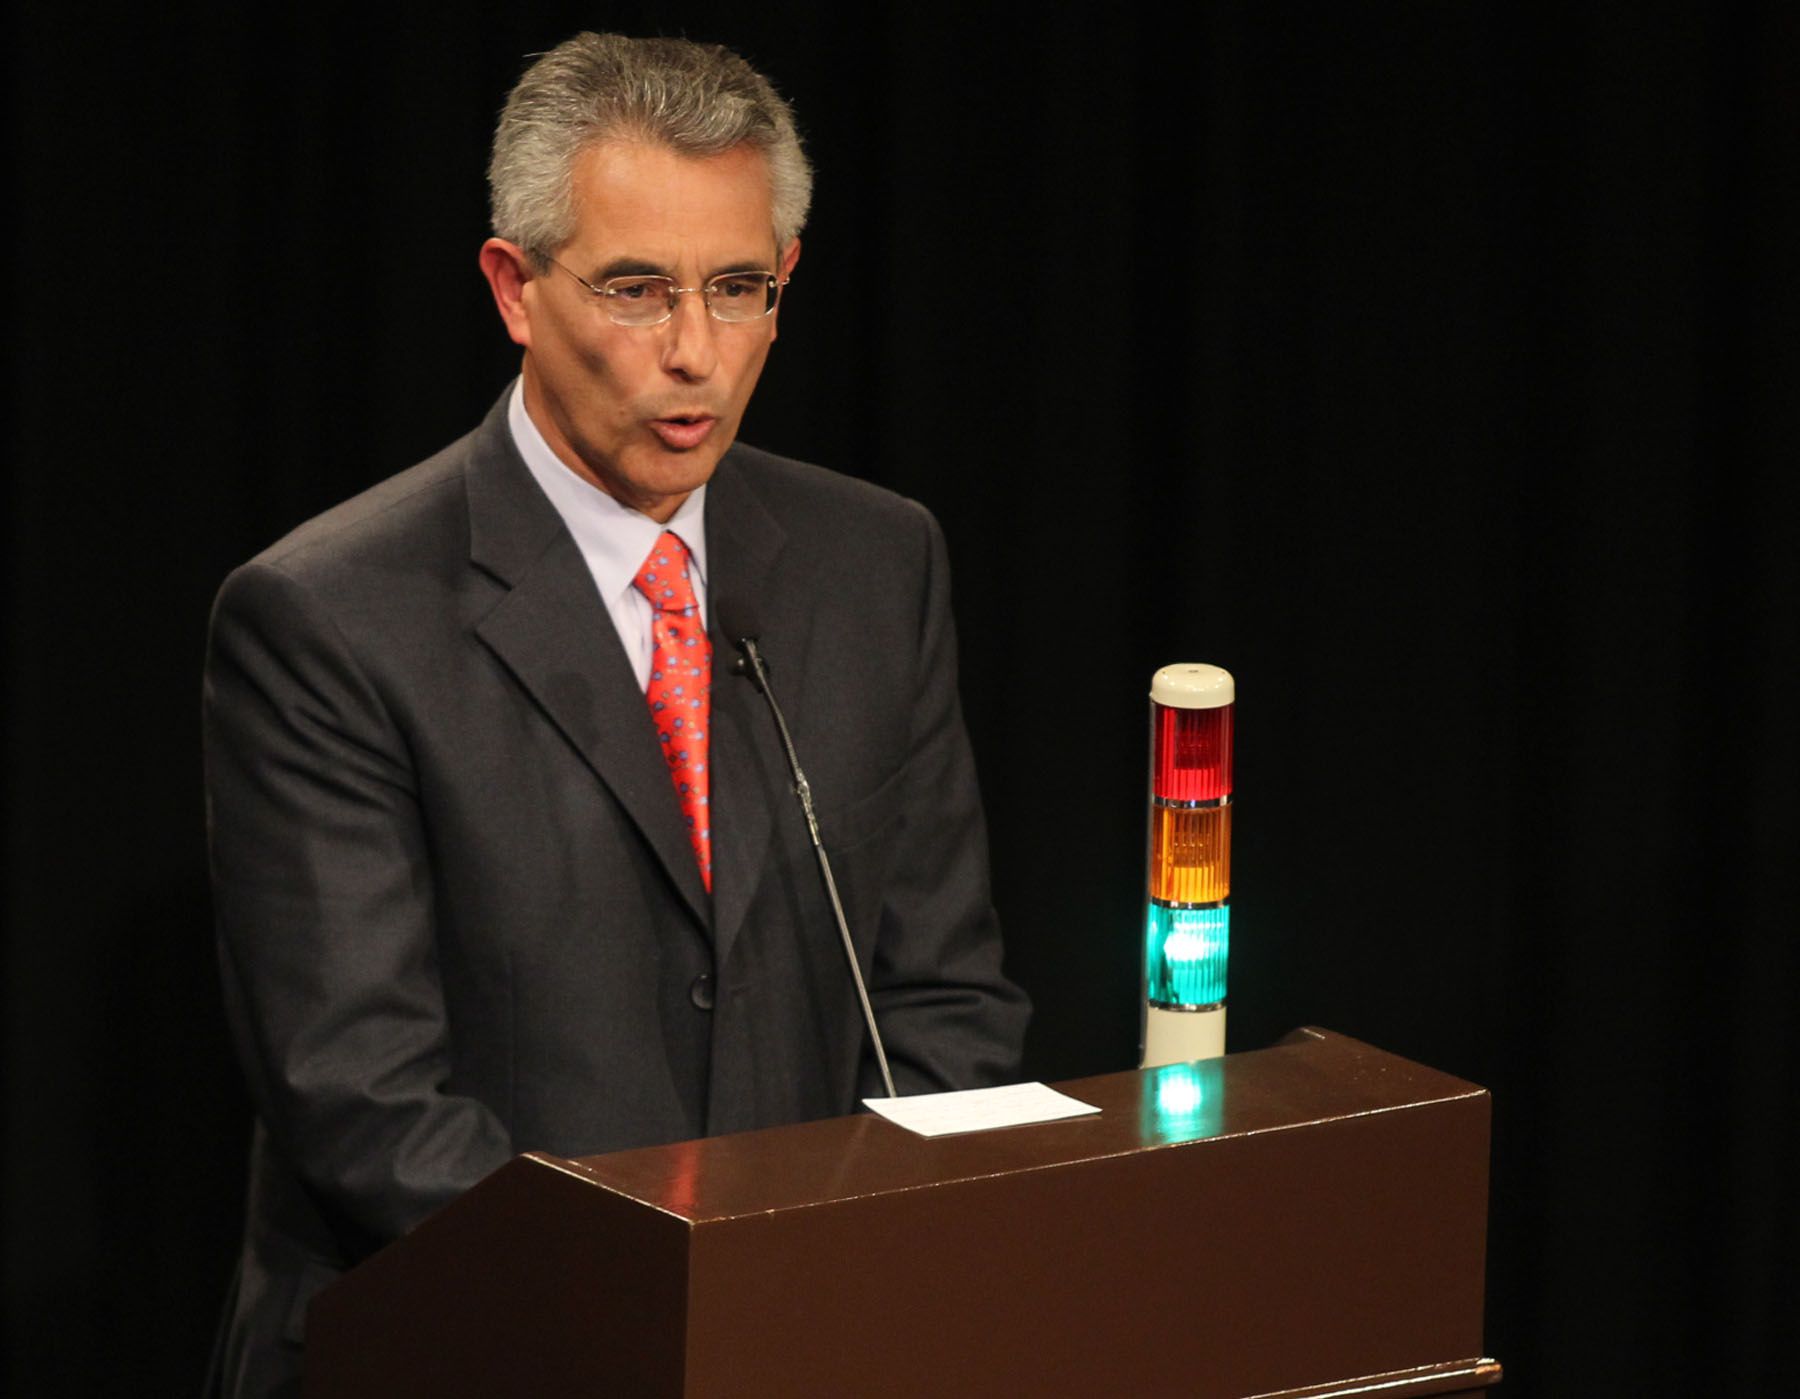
(613, 538)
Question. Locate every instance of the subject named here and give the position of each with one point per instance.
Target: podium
(1298, 1222)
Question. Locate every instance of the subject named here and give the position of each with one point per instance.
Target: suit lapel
(552, 633)
(744, 545)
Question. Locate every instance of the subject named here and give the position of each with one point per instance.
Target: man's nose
(691, 351)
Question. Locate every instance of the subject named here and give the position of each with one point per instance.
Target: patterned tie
(680, 689)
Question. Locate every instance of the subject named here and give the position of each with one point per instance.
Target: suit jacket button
(701, 992)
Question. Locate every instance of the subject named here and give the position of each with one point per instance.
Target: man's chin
(657, 482)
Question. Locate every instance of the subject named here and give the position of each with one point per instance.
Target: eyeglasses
(732, 297)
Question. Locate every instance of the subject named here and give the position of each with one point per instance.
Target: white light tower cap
(1193, 687)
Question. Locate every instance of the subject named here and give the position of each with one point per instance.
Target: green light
(1180, 1102)
(1179, 1094)
(1185, 955)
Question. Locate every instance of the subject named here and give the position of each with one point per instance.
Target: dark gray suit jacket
(458, 914)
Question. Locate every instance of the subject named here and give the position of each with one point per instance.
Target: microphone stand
(752, 663)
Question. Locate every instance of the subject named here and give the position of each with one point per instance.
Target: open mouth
(683, 430)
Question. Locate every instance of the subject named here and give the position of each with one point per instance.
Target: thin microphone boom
(751, 664)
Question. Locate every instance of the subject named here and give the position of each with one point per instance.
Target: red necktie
(680, 688)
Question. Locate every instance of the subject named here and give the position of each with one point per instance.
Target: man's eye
(732, 288)
(632, 291)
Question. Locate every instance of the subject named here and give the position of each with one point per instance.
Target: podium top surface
(1310, 1077)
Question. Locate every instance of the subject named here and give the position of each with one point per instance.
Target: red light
(1191, 760)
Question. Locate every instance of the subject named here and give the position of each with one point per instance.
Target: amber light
(1190, 854)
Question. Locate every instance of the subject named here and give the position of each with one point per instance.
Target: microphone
(737, 619)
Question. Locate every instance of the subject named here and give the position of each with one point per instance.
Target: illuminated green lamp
(1184, 961)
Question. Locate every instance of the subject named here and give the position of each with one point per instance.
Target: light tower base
(1176, 1036)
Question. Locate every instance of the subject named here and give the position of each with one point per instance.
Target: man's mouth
(683, 431)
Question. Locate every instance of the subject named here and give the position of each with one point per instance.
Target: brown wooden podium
(1302, 1221)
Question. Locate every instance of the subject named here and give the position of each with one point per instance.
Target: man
(504, 856)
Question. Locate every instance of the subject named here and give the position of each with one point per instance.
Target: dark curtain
(1431, 367)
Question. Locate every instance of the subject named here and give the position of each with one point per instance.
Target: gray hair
(696, 99)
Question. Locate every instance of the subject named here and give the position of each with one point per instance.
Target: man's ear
(784, 269)
(508, 273)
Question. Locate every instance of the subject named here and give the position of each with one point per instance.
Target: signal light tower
(1187, 933)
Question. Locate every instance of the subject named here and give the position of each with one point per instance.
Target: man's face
(645, 412)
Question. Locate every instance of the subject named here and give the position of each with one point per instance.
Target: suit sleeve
(948, 1014)
(323, 896)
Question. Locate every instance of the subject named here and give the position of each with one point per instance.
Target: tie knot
(663, 576)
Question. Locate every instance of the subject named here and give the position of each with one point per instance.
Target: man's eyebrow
(640, 267)
(630, 267)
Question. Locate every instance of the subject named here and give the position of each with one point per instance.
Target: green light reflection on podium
(1182, 1102)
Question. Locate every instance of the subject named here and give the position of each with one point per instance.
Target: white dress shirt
(613, 538)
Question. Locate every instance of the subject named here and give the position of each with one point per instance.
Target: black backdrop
(1437, 379)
